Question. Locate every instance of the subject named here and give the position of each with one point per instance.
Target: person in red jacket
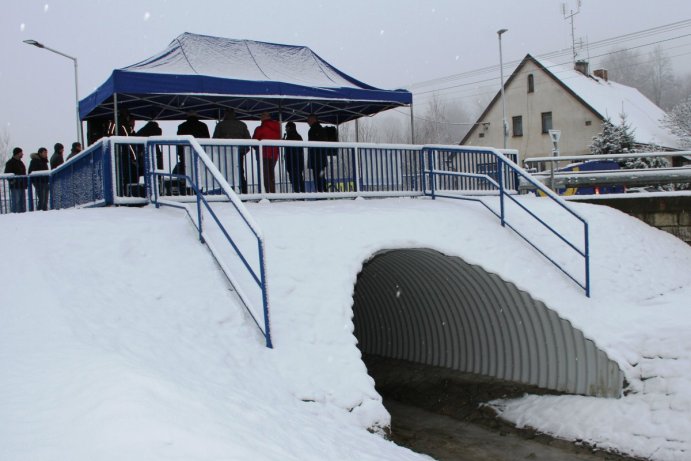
(269, 129)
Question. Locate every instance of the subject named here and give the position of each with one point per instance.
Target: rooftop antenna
(570, 16)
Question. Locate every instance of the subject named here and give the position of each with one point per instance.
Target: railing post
(500, 181)
(356, 168)
(421, 170)
(430, 162)
(147, 170)
(155, 179)
(108, 171)
(265, 297)
(30, 194)
(195, 178)
(587, 259)
(260, 162)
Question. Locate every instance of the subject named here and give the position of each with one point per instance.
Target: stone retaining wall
(670, 214)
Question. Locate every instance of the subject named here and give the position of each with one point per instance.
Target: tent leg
(115, 112)
(412, 125)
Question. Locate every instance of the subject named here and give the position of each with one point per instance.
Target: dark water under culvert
(438, 412)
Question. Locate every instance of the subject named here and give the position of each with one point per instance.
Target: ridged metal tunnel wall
(422, 306)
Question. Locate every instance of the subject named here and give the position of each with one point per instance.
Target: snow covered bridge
(439, 281)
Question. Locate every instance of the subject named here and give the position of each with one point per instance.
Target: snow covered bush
(678, 120)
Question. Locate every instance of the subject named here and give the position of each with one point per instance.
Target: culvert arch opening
(422, 307)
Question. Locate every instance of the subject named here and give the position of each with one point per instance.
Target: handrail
(504, 163)
(199, 154)
(584, 158)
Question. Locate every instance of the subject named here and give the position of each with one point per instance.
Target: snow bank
(121, 339)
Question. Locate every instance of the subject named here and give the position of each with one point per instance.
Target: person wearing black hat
(57, 158)
(17, 185)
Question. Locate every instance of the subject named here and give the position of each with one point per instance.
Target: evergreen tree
(620, 139)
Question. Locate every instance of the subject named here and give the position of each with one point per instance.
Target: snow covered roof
(205, 73)
(610, 99)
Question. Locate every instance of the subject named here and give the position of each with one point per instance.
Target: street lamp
(80, 135)
(504, 124)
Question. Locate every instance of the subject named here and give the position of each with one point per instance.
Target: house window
(481, 135)
(588, 123)
(531, 83)
(546, 122)
(517, 123)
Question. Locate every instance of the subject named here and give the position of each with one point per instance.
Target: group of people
(232, 128)
(229, 127)
(39, 162)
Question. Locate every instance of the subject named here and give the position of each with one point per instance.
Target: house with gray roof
(541, 96)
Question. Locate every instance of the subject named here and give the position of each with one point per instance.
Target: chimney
(582, 67)
(601, 73)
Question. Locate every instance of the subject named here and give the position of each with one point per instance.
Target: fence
(184, 172)
(320, 170)
(489, 170)
(596, 174)
(201, 179)
(82, 181)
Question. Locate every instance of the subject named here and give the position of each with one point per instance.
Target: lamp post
(504, 125)
(80, 135)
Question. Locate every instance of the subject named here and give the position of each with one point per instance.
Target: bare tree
(661, 77)
(5, 142)
(627, 67)
(652, 75)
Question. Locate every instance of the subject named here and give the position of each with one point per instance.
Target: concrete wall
(670, 214)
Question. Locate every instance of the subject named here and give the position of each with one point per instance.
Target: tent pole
(280, 118)
(412, 124)
(357, 130)
(115, 112)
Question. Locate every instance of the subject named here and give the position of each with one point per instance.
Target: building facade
(540, 96)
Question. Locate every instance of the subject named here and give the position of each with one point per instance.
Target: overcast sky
(386, 43)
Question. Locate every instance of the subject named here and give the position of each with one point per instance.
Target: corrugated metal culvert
(422, 306)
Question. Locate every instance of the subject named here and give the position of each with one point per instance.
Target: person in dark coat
(17, 185)
(268, 129)
(194, 127)
(294, 159)
(76, 148)
(150, 129)
(57, 158)
(232, 128)
(316, 156)
(39, 162)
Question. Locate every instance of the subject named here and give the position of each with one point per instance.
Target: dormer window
(531, 83)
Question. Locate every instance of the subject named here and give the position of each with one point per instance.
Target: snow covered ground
(119, 337)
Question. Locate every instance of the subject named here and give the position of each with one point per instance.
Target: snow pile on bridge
(120, 339)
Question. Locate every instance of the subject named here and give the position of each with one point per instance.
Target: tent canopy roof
(206, 74)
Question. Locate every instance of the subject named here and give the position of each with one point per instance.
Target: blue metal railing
(325, 170)
(82, 181)
(491, 171)
(116, 170)
(192, 180)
